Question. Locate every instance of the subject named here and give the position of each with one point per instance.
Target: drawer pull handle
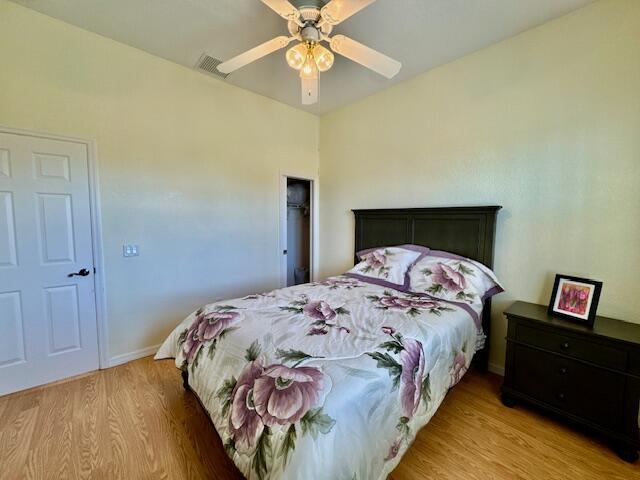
(561, 396)
(563, 371)
(565, 345)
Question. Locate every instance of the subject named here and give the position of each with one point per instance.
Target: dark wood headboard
(466, 231)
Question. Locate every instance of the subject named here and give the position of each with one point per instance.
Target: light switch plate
(130, 250)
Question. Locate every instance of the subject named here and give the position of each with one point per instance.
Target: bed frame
(466, 231)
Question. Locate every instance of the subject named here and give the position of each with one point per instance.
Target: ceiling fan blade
(283, 8)
(254, 54)
(309, 90)
(337, 11)
(365, 56)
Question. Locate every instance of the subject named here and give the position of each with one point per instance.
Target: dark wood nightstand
(590, 377)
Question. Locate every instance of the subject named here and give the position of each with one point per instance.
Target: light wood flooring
(135, 421)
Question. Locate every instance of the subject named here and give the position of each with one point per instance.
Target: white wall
(546, 124)
(189, 166)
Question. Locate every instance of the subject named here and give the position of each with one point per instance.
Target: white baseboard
(497, 369)
(136, 354)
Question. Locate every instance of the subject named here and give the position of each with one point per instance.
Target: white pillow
(387, 266)
(451, 277)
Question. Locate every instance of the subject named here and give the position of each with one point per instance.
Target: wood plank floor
(135, 421)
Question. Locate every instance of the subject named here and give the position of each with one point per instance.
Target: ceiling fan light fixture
(296, 56)
(323, 57)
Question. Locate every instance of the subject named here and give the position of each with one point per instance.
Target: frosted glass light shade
(323, 57)
(296, 56)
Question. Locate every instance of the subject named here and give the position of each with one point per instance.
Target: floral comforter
(327, 380)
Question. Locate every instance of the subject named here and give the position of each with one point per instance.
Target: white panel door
(47, 318)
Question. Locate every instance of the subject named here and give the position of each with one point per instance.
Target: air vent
(209, 65)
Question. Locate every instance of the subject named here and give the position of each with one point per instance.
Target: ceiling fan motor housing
(310, 34)
(310, 16)
(300, 4)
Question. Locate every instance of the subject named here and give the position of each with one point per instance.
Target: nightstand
(587, 376)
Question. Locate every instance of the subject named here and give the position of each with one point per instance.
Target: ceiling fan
(310, 22)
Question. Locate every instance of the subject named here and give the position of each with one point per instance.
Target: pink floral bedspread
(327, 380)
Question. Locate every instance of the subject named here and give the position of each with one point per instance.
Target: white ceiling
(422, 34)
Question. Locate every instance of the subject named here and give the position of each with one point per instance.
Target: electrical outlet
(130, 250)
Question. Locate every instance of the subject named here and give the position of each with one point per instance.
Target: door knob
(82, 273)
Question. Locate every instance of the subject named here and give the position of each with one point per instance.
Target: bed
(333, 379)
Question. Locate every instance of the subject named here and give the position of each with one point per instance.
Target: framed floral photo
(575, 299)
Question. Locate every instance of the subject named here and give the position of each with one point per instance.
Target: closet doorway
(297, 231)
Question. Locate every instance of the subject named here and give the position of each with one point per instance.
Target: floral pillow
(388, 266)
(454, 278)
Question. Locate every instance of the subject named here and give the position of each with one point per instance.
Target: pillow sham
(388, 266)
(451, 277)
(406, 246)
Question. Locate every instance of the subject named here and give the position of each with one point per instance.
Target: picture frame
(575, 299)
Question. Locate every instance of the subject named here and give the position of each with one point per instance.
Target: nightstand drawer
(634, 362)
(573, 347)
(588, 392)
(538, 375)
(595, 394)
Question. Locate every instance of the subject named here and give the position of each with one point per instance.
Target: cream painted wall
(189, 166)
(546, 124)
